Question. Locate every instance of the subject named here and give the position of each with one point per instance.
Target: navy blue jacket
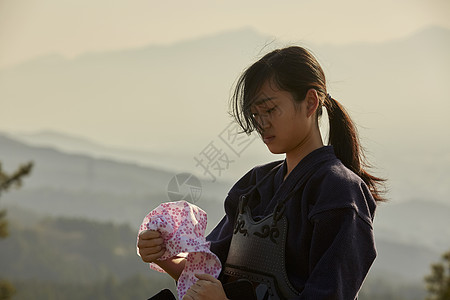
(330, 245)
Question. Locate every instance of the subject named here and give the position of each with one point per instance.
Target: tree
(6, 181)
(438, 282)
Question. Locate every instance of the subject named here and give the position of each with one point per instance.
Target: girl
(299, 228)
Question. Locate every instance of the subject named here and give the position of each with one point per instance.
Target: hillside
(80, 172)
(68, 249)
(67, 258)
(56, 256)
(77, 185)
(410, 235)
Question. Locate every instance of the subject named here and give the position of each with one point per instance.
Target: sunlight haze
(33, 28)
(157, 76)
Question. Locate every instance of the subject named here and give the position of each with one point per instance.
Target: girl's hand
(206, 288)
(150, 245)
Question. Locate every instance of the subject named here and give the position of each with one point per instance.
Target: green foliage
(438, 282)
(133, 287)
(69, 250)
(61, 258)
(7, 290)
(389, 287)
(3, 224)
(6, 181)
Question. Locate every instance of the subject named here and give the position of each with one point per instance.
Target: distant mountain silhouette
(64, 184)
(80, 145)
(76, 172)
(173, 99)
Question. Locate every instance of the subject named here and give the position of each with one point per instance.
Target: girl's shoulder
(336, 173)
(334, 186)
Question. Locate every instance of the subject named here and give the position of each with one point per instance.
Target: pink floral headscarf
(182, 226)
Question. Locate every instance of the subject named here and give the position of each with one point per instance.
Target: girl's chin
(275, 150)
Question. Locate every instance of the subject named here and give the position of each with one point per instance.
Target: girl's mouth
(268, 139)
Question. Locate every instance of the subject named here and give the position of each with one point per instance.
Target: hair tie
(329, 96)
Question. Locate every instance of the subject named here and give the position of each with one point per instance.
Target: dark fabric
(165, 294)
(330, 245)
(241, 289)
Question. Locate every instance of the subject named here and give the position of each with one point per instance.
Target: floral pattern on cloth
(182, 226)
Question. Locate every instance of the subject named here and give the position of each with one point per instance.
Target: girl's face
(285, 125)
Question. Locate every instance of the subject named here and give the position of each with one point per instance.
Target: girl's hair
(295, 70)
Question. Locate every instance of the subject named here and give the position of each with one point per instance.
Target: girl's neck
(294, 157)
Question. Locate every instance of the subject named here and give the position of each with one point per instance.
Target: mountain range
(410, 235)
(171, 101)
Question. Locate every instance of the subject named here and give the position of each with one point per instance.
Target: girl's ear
(312, 102)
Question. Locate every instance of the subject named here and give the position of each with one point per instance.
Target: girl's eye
(264, 113)
(271, 110)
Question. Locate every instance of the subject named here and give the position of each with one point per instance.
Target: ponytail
(344, 138)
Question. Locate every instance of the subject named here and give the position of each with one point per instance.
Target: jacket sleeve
(342, 251)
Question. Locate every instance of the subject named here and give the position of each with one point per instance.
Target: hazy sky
(32, 28)
(29, 28)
